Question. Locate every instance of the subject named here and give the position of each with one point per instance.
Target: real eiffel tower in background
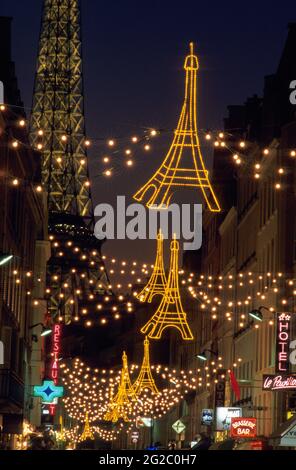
(57, 124)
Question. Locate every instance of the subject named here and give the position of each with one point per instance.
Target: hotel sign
(283, 334)
(220, 389)
(279, 382)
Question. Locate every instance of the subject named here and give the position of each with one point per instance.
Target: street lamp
(4, 258)
(202, 355)
(46, 330)
(257, 314)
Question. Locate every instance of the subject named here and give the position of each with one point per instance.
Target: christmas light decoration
(174, 172)
(145, 379)
(170, 313)
(122, 402)
(157, 282)
(87, 433)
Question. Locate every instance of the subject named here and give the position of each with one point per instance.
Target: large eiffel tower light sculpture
(57, 129)
(183, 165)
(157, 281)
(121, 404)
(170, 313)
(145, 379)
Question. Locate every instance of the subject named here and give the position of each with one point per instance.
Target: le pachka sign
(243, 427)
(279, 382)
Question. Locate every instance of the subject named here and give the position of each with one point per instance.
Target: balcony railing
(11, 387)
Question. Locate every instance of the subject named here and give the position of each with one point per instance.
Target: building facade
(22, 277)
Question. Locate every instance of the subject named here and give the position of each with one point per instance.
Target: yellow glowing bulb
(129, 163)
(147, 147)
(64, 138)
(39, 146)
(22, 122)
(153, 132)
(208, 136)
(15, 144)
(292, 153)
(281, 171)
(108, 173)
(128, 151)
(134, 139)
(111, 143)
(242, 144)
(2, 107)
(265, 151)
(87, 143)
(221, 135)
(15, 182)
(39, 188)
(40, 132)
(277, 186)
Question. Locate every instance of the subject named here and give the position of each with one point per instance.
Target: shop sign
(243, 427)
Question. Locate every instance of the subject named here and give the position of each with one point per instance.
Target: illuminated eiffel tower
(57, 127)
(121, 404)
(157, 282)
(145, 379)
(183, 165)
(87, 433)
(170, 313)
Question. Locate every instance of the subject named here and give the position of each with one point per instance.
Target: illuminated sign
(279, 382)
(207, 417)
(48, 391)
(283, 334)
(56, 344)
(224, 415)
(243, 427)
(220, 389)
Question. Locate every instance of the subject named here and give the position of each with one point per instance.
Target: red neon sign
(282, 342)
(243, 427)
(56, 346)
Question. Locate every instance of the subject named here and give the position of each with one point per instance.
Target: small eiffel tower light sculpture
(183, 165)
(170, 313)
(157, 282)
(122, 402)
(145, 379)
(87, 433)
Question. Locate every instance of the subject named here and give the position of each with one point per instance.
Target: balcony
(11, 391)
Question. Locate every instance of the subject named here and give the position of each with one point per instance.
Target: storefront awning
(285, 435)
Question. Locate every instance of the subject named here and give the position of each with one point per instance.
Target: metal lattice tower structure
(57, 128)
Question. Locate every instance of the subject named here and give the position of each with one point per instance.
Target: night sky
(133, 71)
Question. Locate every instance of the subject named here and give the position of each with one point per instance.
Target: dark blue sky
(133, 59)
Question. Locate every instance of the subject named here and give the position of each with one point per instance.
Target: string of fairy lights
(90, 390)
(116, 148)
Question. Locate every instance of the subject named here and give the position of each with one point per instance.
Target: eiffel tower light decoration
(170, 313)
(121, 403)
(87, 433)
(183, 165)
(157, 281)
(145, 379)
